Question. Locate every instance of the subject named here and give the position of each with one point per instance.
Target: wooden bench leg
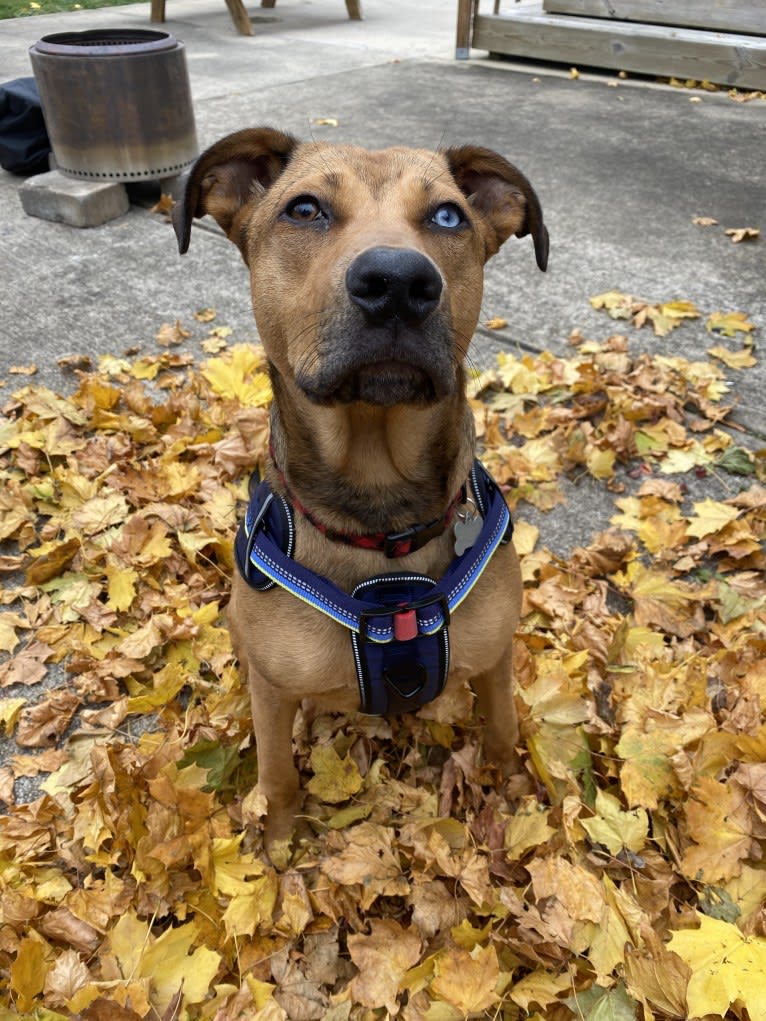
(268, 3)
(239, 16)
(354, 9)
(465, 12)
(158, 10)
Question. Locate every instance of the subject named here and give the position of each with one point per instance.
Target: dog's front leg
(273, 719)
(494, 691)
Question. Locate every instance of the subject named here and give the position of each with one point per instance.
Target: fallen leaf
(164, 205)
(383, 958)
(738, 234)
(723, 964)
(729, 323)
(171, 334)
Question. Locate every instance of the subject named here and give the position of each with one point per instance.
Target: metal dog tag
(467, 530)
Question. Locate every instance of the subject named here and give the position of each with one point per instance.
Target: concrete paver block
(53, 196)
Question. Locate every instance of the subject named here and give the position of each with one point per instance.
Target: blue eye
(448, 215)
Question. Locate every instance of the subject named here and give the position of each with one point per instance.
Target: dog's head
(366, 267)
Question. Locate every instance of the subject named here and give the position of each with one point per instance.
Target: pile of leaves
(623, 872)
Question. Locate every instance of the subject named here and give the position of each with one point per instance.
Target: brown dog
(366, 273)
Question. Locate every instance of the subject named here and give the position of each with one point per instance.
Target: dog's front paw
(503, 755)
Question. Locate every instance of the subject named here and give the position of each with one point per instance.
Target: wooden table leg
(239, 16)
(268, 3)
(158, 10)
(354, 9)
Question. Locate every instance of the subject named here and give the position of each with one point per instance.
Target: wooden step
(528, 31)
(720, 15)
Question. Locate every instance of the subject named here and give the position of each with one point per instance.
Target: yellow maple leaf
(530, 829)
(121, 586)
(232, 868)
(647, 775)
(729, 323)
(711, 517)
(29, 971)
(742, 359)
(335, 779)
(600, 463)
(247, 911)
(726, 967)
(614, 828)
(669, 315)
(719, 822)
(541, 987)
(496, 323)
(466, 980)
(170, 966)
(616, 304)
(9, 712)
(238, 374)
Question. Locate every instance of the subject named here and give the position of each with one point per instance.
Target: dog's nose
(394, 283)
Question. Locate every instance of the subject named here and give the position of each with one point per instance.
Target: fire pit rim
(109, 42)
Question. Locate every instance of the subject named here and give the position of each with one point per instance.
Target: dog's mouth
(382, 366)
(386, 383)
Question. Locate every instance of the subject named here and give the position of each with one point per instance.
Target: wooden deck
(618, 42)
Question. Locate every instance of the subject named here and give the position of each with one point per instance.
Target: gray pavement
(621, 170)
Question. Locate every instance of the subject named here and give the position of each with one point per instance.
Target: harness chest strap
(409, 613)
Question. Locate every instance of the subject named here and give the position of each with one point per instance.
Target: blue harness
(399, 622)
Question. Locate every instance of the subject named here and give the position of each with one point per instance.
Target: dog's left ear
(228, 176)
(501, 193)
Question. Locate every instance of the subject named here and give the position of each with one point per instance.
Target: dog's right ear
(227, 176)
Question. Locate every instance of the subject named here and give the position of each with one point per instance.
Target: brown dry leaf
(383, 958)
(205, 315)
(368, 859)
(164, 205)
(704, 221)
(496, 323)
(171, 334)
(41, 725)
(738, 234)
(74, 362)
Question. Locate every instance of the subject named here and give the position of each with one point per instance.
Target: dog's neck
(363, 468)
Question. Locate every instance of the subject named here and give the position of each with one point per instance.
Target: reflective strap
(266, 556)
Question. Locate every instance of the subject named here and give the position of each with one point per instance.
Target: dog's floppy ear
(228, 175)
(502, 194)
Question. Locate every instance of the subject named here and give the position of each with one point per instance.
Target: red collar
(393, 544)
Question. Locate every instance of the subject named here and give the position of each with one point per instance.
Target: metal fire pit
(117, 104)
